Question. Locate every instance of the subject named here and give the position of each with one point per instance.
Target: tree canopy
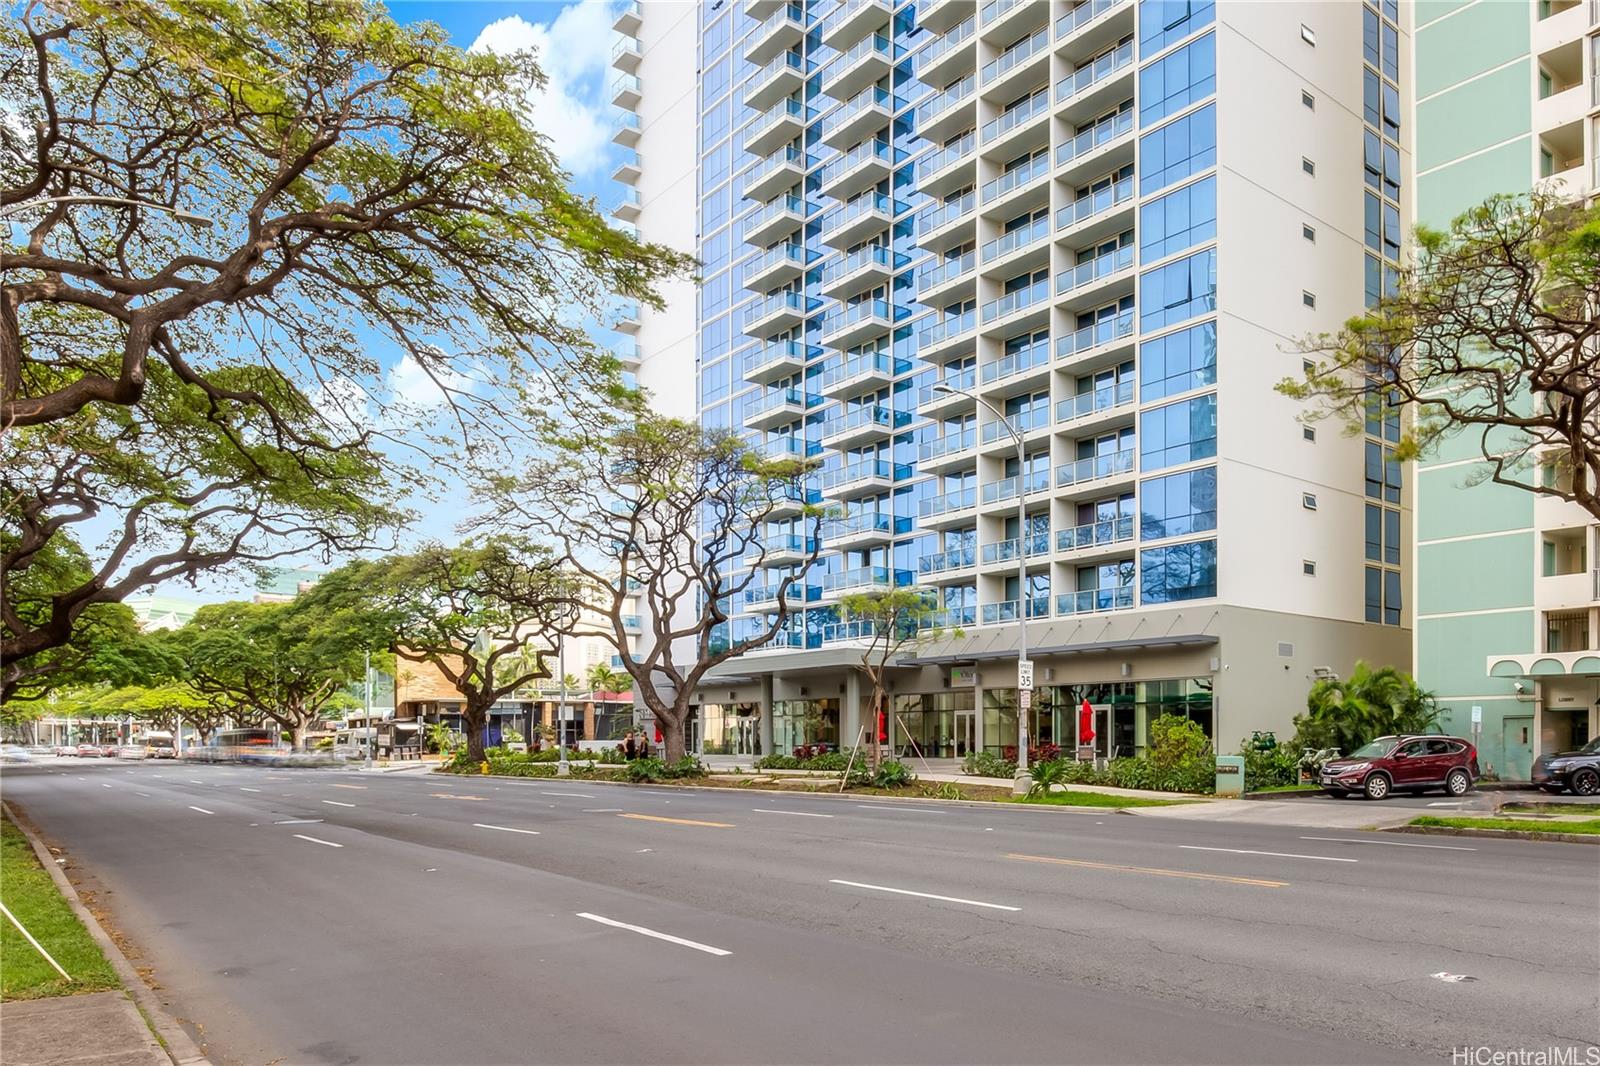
(1345, 713)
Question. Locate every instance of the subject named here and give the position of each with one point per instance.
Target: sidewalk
(104, 1028)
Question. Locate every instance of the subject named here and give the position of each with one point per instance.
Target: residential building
(1507, 583)
(155, 611)
(1103, 225)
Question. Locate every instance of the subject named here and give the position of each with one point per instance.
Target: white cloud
(412, 387)
(575, 53)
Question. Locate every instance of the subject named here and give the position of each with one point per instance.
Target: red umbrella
(1085, 723)
(658, 732)
(883, 728)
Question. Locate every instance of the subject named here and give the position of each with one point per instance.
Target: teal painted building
(1507, 589)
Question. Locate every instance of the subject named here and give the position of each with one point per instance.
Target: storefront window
(936, 725)
(802, 722)
(731, 728)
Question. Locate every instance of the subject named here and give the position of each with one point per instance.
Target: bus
(240, 745)
(157, 744)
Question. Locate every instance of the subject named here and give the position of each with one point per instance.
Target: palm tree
(602, 678)
(1347, 713)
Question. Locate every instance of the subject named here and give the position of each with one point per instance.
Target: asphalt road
(332, 916)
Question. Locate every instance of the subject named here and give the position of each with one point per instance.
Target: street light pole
(1024, 692)
(188, 218)
(562, 770)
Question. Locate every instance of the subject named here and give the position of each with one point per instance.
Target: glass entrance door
(966, 739)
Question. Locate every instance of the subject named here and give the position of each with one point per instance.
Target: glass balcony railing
(632, 623)
(949, 444)
(963, 558)
(869, 98)
(1006, 610)
(938, 104)
(853, 525)
(1020, 361)
(963, 381)
(786, 110)
(860, 259)
(631, 198)
(861, 153)
(947, 328)
(787, 156)
(934, 162)
(874, 203)
(629, 120)
(773, 209)
(948, 211)
(1087, 403)
(959, 500)
(1095, 467)
(624, 83)
(944, 270)
(864, 577)
(995, 10)
(877, 44)
(862, 471)
(856, 629)
(1030, 109)
(1109, 329)
(1084, 14)
(865, 417)
(878, 364)
(776, 399)
(867, 311)
(1101, 200)
(1093, 534)
(1021, 237)
(1024, 421)
(1020, 52)
(1032, 170)
(793, 14)
(1012, 302)
(1093, 73)
(944, 44)
(781, 63)
(950, 618)
(1087, 140)
(1094, 601)
(1006, 550)
(787, 446)
(1007, 487)
(769, 593)
(1101, 266)
(791, 253)
(777, 303)
(770, 354)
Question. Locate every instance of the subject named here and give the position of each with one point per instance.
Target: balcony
(1005, 551)
(1035, 295)
(773, 219)
(1004, 491)
(1580, 588)
(946, 56)
(951, 394)
(1022, 237)
(947, 452)
(852, 20)
(786, 549)
(863, 425)
(845, 275)
(863, 372)
(1084, 280)
(948, 562)
(1096, 469)
(870, 59)
(627, 320)
(1091, 535)
(781, 31)
(866, 477)
(864, 579)
(627, 172)
(950, 618)
(942, 278)
(628, 355)
(765, 597)
(1014, 121)
(775, 361)
(776, 265)
(1105, 206)
(628, 206)
(783, 74)
(625, 92)
(791, 501)
(780, 124)
(777, 407)
(786, 447)
(628, 130)
(947, 336)
(996, 437)
(861, 529)
(859, 169)
(1095, 601)
(1114, 330)
(950, 509)
(943, 113)
(851, 324)
(1021, 57)
(858, 117)
(1076, 20)
(765, 318)
(1006, 610)
(1000, 20)
(851, 223)
(1029, 364)
(625, 54)
(940, 15)
(1095, 406)
(1080, 88)
(1106, 145)
(948, 223)
(856, 630)
(776, 173)
(629, 18)
(1012, 180)
(945, 169)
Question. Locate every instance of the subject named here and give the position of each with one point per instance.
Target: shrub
(987, 764)
(893, 774)
(645, 770)
(1046, 775)
(688, 766)
(1174, 741)
(1083, 773)
(828, 760)
(1268, 767)
(613, 756)
(777, 762)
(1131, 773)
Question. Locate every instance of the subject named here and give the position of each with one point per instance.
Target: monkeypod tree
(670, 529)
(1492, 333)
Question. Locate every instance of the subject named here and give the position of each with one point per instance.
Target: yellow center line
(452, 796)
(677, 821)
(1150, 870)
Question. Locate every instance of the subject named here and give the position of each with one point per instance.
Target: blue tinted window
(1178, 80)
(1178, 572)
(1164, 22)
(1178, 290)
(1178, 362)
(1374, 594)
(1178, 149)
(1178, 433)
(1178, 220)
(1178, 504)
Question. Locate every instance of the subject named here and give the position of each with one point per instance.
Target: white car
(15, 753)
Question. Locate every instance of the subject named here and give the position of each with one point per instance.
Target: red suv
(1405, 764)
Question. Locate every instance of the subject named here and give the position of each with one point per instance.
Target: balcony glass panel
(1095, 467)
(930, 277)
(1086, 207)
(1035, 168)
(1020, 237)
(1032, 108)
(1087, 403)
(1094, 601)
(1094, 73)
(1103, 332)
(1087, 140)
(1091, 534)
(1099, 267)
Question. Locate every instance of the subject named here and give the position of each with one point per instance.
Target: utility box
(1230, 775)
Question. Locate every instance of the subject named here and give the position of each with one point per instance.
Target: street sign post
(1025, 698)
(1024, 674)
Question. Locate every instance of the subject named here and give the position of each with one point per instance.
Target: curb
(175, 1041)
(1504, 834)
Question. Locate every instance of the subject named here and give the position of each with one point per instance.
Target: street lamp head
(942, 387)
(189, 218)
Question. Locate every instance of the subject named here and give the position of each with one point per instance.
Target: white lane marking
(202, 810)
(924, 895)
(579, 795)
(642, 792)
(1392, 843)
(243, 789)
(601, 810)
(316, 840)
(1446, 803)
(336, 803)
(642, 931)
(104, 785)
(1276, 854)
(891, 807)
(195, 781)
(298, 821)
(162, 776)
(505, 829)
(797, 814)
(146, 795)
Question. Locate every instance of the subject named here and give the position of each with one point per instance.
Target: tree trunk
(299, 734)
(472, 720)
(672, 734)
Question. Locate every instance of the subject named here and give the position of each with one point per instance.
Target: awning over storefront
(1089, 648)
(1549, 664)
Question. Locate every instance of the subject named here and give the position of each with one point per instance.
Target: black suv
(1576, 770)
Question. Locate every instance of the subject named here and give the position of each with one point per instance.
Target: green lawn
(30, 894)
(1588, 827)
(1285, 788)
(1099, 799)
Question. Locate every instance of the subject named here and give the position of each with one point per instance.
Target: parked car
(1576, 770)
(65, 749)
(88, 751)
(1406, 764)
(110, 751)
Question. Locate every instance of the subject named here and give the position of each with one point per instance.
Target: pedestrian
(629, 748)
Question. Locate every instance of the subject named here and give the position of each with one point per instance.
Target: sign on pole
(1025, 674)
(1477, 714)
(1025, 698)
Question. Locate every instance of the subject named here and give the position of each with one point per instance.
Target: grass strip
(1100, 799)
(31, 895)
(1588, 827)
